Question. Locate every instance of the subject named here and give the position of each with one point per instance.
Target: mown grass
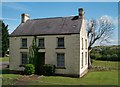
(109, 77)
(91, 78)
(108, 64)
(9, 79)
(4, 59)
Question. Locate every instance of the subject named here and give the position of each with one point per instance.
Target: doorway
(42, 62)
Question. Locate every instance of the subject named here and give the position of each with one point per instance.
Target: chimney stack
(24, 17)
(81, 13)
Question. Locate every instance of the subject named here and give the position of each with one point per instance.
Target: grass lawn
(109, 77)
(4, 59)
(9, 79)
(91, 78)
(108, 64)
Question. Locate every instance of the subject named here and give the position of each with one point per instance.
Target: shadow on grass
(4, 71)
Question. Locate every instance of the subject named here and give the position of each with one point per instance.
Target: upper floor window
(82, 44)
(24, 57)
(60, 60)
(24, 42)
(61, 42)
(41, 43)
(85, 43)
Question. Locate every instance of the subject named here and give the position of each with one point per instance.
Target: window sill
(60, 68)
(41, 47)
(60, 48)
(23, 48)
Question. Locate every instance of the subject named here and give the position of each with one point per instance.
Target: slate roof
(48, 26)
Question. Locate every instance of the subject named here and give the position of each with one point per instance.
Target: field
(105, 77)
(108, 64)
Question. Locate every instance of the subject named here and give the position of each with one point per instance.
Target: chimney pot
(81, 12)
(24, 17)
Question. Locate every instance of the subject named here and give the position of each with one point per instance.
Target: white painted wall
(72, 52)
(83, 34)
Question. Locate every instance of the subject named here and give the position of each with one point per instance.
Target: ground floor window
(24, 57)
(86, 59)
(60, 60)
(82, 60)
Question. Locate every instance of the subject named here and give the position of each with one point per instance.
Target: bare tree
(98, 30)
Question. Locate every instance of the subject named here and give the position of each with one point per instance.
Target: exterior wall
(15, 52)
(72, 52)
(83, 35)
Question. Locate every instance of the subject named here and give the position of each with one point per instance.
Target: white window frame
(58, 64)
(22, 43)
(82, 60)
(60, 42)
(43, 43)
(23, 58)
(86, 59)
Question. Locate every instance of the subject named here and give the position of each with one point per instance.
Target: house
(62, 42)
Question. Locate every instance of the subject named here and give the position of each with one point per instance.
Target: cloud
(113, 19)
(16, 6)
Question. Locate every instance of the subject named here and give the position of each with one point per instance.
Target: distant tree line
(106, 53)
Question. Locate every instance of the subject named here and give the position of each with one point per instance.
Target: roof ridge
(50, 18)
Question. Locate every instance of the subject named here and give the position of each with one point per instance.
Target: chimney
(24, 17)
(81, 13)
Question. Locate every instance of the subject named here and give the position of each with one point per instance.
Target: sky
(11, 12)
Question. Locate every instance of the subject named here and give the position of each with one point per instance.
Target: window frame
(82, 43)
(58, 43)
(82, 60)
(22, 58)
(22, 46)
(58, 64)
(86, 58)
(43, 43)
(85, 43)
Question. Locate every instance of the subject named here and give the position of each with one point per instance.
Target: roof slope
(58, 25)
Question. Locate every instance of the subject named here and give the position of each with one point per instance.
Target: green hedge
(49, 69)
(29, 69)
(113, 57)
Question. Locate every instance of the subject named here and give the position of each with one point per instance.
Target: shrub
(114, 57)
(104, 57)
(49, 69)
(92, 56)
(96, 56)
(29, 69)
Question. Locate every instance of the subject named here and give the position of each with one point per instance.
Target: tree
(5, 38)
(0, 38)
(98, 30)
(33, 55)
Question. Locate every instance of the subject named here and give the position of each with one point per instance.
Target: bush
(92, 56)
(29, 69)
(114, 57)
(49, 69)
(96, 56)
(104, 57)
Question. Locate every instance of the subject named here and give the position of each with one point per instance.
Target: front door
(42, 62)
